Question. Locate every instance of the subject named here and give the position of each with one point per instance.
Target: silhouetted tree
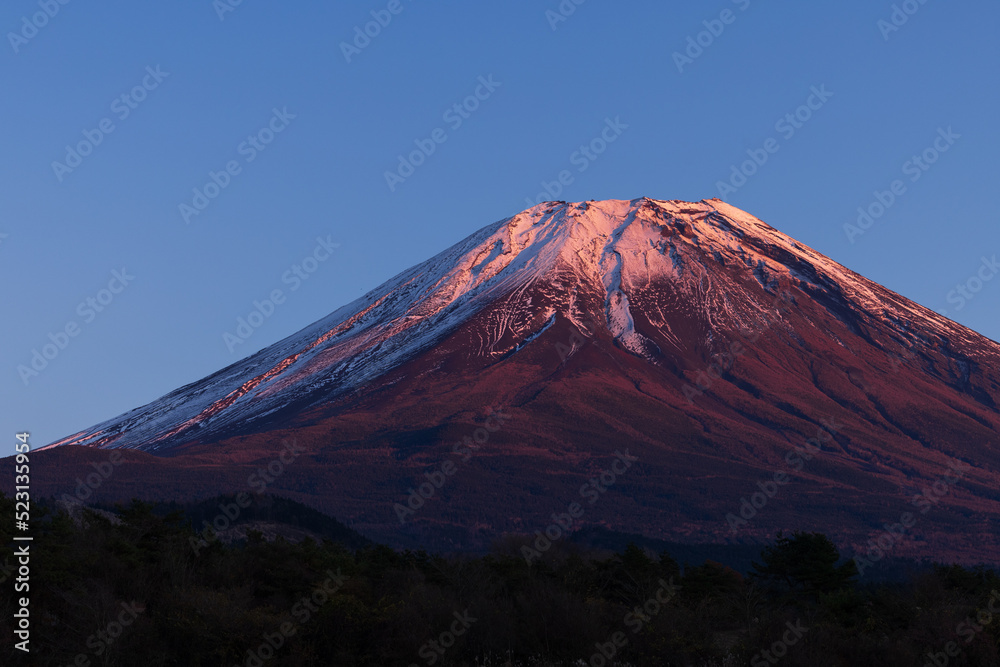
(805, 562)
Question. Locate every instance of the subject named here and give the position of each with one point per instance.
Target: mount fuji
(751, 383)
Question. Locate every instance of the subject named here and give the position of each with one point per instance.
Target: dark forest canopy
(151, 586)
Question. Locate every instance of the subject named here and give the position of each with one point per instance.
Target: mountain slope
(695, 336)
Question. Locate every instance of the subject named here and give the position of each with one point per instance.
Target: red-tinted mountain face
(680, 370)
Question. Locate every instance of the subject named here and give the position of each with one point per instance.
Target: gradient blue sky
(323, 175)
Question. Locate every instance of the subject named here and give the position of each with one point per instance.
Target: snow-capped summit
(696, 336)
(555, 261)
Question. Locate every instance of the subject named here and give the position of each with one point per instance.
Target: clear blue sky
(323, 173)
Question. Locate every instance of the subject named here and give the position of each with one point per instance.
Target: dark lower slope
(543, 417)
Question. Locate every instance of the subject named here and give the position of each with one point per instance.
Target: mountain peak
(656, 276)
(691, 334)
